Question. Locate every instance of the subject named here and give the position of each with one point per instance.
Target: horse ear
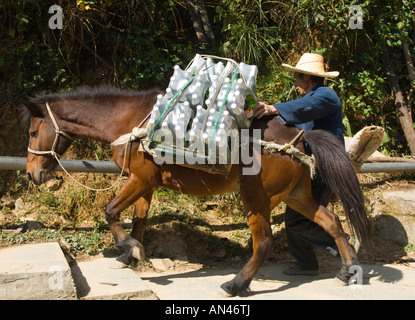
(34, 108)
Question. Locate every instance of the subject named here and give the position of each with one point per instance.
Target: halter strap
(57, 155)
(57, 133)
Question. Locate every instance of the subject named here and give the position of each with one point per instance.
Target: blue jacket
(320, 108)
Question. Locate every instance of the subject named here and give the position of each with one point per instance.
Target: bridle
(56, 155)
(58, 133)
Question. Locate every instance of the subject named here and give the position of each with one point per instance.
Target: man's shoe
(297, 271)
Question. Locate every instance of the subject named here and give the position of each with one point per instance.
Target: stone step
(99, 280)
(35, 271)
(41, 272)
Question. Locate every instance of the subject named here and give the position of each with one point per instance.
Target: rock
(403, 200)
(8, 201)
(210, 205)
(19, 204)
(219, 252)
(13, 231)
(276, 229)
(162, 264)
(33, 225)
(390, 228)
(53, 185)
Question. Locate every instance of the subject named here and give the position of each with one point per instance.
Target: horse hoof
(229, 290)
(138, 253)
(123, 261)
(340, 282)
(118, 265)
(347, 275)
(223, 294)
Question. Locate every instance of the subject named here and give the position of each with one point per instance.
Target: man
(318, 108)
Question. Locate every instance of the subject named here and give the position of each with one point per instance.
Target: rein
(56, 155)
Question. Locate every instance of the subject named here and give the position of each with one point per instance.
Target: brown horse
(105, 113)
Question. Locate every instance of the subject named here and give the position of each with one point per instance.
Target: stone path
(40, 271)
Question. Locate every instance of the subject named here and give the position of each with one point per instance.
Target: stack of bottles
(205, 104)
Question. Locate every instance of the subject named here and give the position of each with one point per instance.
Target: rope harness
(58, 132)
(56, 155)
(289, 148)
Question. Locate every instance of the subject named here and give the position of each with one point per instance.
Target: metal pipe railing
(19, 163)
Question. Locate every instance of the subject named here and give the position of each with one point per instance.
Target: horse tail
(335, 167)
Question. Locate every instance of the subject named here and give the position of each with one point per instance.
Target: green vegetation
(136, 43)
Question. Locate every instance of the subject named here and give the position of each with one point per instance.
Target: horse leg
(257, 205)
(141, 208)
(301, 200)
(130, 193)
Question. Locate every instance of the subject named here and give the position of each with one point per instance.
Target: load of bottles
(206, 102)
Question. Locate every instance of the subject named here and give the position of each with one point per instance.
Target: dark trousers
(303, 234)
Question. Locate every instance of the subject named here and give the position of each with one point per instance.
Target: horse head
(46, 141)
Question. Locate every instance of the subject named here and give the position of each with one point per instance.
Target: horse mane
(87, 92)
(80, 93)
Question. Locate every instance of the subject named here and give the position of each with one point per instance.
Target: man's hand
(263, 109)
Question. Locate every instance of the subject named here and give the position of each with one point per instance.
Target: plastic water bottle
(179, 136)
(230, 66)
(195, 99)
(212, 115)
(210, 68)
(200, 113)
(207, 134)
(161, 104)
(197, 63)
(227, 120)
(195, 130)
(223, 90)
(197, 90)
(238, 113)
(165, 129)
(218, 68)
(249, 73)
(155, 114)
(220, 135)
(238, 98)
(151, 126)
(196, 125)
(178, 73)
(181, 115)
(235, 110)
(169, 93)
(214, 81)
(193, 135)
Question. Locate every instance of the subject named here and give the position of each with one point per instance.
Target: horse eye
(33, 134)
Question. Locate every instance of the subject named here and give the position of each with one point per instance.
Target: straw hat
(313, 64)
